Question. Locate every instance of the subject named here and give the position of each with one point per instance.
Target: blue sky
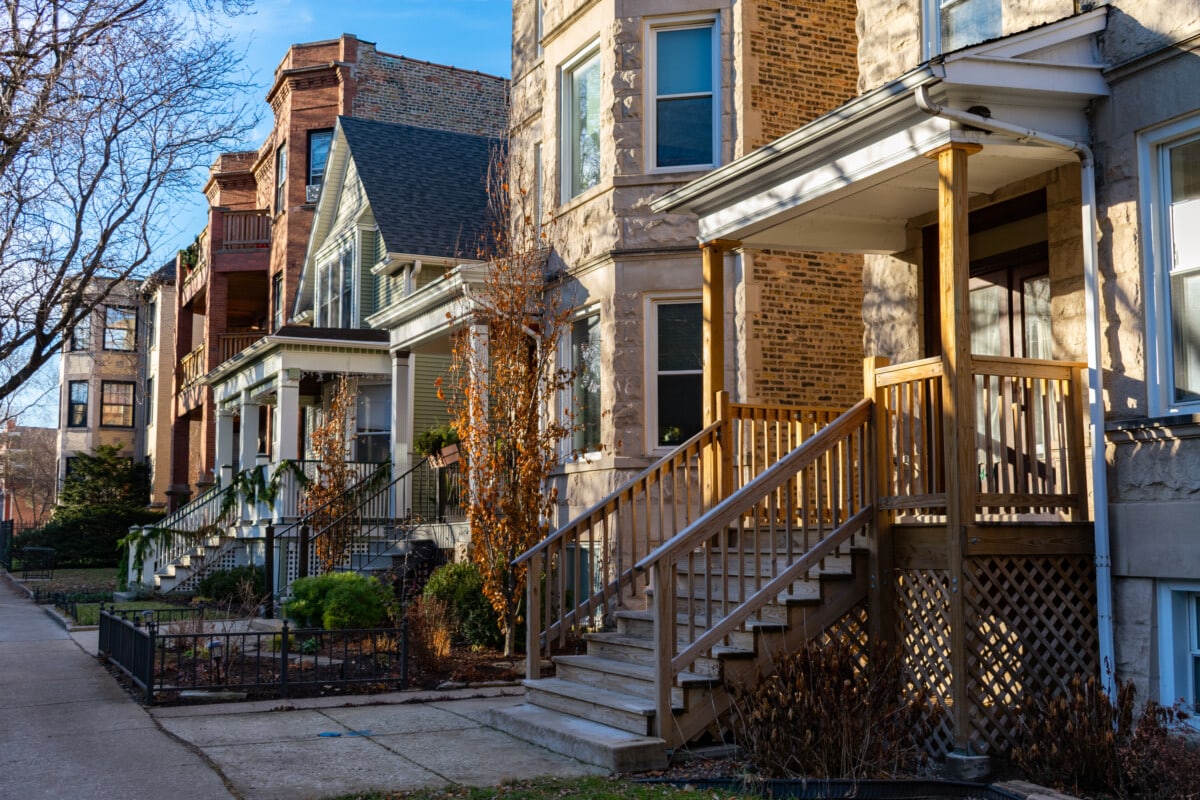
(471, 34)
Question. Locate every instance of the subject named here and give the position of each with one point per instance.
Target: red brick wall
(398, 89)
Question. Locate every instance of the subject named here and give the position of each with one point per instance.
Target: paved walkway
(68, 730)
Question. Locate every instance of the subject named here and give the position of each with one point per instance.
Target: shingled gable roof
(425, 187)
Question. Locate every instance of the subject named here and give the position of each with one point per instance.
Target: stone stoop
(581, 739)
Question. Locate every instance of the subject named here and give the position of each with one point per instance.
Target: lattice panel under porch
(226, 559)
(923, 617)
(1031, 624)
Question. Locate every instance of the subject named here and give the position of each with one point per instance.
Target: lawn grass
(89, 613)
(596, 788)
(75, 581)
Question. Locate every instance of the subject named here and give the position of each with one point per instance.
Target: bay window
(581, 124)
(683, 112)
(676, 368)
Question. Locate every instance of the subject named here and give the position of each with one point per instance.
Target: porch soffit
(424, 320)
(849, 182)
(257, 372)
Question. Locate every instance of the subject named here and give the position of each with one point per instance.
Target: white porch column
(248, 446)
(479, 369)
(402, 424)
(225, 452)
(287, 415)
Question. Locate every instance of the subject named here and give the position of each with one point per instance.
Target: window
(537, 191)
(149, 402)
(335, 292)
(280, 178)
(1169, 161)
(116, 404)
(277, 301)
(677, 370)
(120, 328)
(151, 325)
(684, 115)
(318, 154)
(373, 421)
(81, 334)
(77, 404)
(581, 125)
(1179, 645)
(585, 391)
(953, 24)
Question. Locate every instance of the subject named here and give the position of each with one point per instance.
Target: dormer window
(335, 292)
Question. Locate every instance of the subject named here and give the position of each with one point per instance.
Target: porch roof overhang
(850, 181)
(424, 320)
(254, 370)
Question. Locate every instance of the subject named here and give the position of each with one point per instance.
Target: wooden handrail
(728, 510)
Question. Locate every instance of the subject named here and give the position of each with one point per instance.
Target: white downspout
(1104, 598)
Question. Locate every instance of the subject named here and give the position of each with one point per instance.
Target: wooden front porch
(777, 525)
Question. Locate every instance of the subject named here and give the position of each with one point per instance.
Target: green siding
(428, 410)
(366, 280)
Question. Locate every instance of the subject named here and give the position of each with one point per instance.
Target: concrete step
(623, 676)
(590, 742)
(621, 710)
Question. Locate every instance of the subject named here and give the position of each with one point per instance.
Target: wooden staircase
(748, 582)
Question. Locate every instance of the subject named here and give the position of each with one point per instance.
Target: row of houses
(959, 230)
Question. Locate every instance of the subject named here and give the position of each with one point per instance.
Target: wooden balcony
(191, 368)
(1027, 440)
(246, 230)
(234, 343)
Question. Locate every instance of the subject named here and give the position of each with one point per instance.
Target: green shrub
(237, 585)
(85, 540)
(338, 600)
(472, 617)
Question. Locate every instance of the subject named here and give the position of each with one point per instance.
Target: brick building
(613, 106)
(239, 280)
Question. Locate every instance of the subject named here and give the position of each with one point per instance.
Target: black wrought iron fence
(164, 656)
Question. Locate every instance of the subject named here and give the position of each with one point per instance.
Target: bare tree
(29, 471)
(107, 109)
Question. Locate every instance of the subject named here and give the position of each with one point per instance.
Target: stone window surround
(1152, 146)
(566, 397)
(652, 302)
(567, 132)
(652, 27)
(1176, 629)
(124, 322)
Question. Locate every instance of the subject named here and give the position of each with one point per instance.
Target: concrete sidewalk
(68, 729)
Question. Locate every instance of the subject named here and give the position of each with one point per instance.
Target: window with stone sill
(683, 73)
(585, 390)
(116, 404)
(77, 404)
(81, 334)
(580, 82)
(675, 350)
(120, 329)
(1169, 163)
(280, 178)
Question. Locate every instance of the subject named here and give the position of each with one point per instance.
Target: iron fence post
(151, 630)
(283, 661)
(404, 651)
(269, 572)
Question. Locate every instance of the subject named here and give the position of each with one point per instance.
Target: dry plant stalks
(509, 444)
(1083, 741)
(327, 494)
(828, 712)
(429, 632)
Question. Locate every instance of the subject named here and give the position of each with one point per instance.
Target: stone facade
(781, 63)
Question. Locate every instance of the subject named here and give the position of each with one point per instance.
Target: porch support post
(713, 309)
(248, 446)
(402, 429)
(225, 453)
(958, 403)
(881, 598)
(287, 415)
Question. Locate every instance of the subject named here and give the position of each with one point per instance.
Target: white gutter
(1104, 599)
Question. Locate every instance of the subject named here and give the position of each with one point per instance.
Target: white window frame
(653, 301)
(931, 28)
(566, 397)
(567, 131)
(650, 38)
(330, 284)
(1177, 659)
(1152, 147)
(356, 431)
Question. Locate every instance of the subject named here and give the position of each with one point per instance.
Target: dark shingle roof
(426, 187)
